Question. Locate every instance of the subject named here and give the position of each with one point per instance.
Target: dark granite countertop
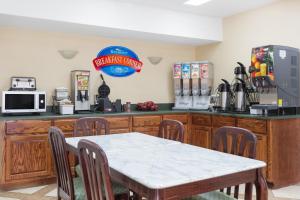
(49, 115)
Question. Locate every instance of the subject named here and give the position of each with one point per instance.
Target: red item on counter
(147, 106)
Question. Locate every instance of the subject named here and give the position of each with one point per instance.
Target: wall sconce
(154, 60)
(68, 54)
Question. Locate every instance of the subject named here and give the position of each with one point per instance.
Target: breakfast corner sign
(117, 61)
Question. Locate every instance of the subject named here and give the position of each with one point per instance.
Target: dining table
(158, 168)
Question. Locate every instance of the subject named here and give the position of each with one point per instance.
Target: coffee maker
(182, 86)
(202, 80)
(275, 74)
(80, 90)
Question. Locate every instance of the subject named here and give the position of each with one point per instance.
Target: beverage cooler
(274, 73)
(193, 83)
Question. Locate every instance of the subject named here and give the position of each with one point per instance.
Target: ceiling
(214, 8)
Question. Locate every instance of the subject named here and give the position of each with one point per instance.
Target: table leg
(261, 186)
(248, 193)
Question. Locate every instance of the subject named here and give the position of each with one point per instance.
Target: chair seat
(78, 189)
(215, 195)
(117, 188)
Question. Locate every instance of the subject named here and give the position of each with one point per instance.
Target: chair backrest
(237, 141)
(65, 187)
(95, 171)
(91, 126)
(172, 130)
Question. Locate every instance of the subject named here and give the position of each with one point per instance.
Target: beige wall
(34, 53)
(277, 23)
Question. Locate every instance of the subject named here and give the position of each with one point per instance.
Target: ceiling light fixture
(196, 2)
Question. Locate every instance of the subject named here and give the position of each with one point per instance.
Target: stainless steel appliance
(182, 86)
(202, 81)
(23, 83)
(23, 102)
(240, 72)
(240, 91)
(224, 96)
(80, 90)
(275, 74)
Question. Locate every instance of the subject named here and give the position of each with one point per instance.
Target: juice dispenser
(183, 99)
(202, 80)
(80, 86)
(275, 74)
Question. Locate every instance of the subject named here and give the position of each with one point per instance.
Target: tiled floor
(48, 192)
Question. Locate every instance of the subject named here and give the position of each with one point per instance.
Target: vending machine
(275, 75)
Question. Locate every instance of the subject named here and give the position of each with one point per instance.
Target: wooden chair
(67, 187)
(172, 130)
(95, 172)
(237, 141)
(88, 126)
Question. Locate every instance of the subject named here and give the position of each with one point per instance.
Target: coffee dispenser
(202, 80)
(275, 74)
(240, 94)
(240, 72)
(80, 86)
(182, 86)
(224, 96)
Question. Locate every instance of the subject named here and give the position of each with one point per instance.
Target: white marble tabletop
(159, 163)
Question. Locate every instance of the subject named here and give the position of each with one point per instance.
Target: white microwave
(23, 101)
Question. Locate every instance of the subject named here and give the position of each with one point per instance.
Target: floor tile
(30, 190)
(53, 193)
(292, 192)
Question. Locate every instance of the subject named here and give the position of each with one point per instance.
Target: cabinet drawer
(255, 125)
(147, 130)
(146, 120)
(27, 126)
(123, 130)
(219, 121)
(202, 120)
(65, 124)
(118, 122)
(182, 118)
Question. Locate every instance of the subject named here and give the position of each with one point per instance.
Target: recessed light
(196, 2)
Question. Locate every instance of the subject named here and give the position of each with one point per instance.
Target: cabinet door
(27, 157)
(262, 150)
(200, 136)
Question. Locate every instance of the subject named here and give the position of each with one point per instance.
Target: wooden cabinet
(182, 118)
(200, 136)
(201, 120)
(262, 150)
(254, 125)
(119, 124)
(27, 127)
(25, 154)
(27, 157)
(219, 121)
(146, 124)
(66, 125)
